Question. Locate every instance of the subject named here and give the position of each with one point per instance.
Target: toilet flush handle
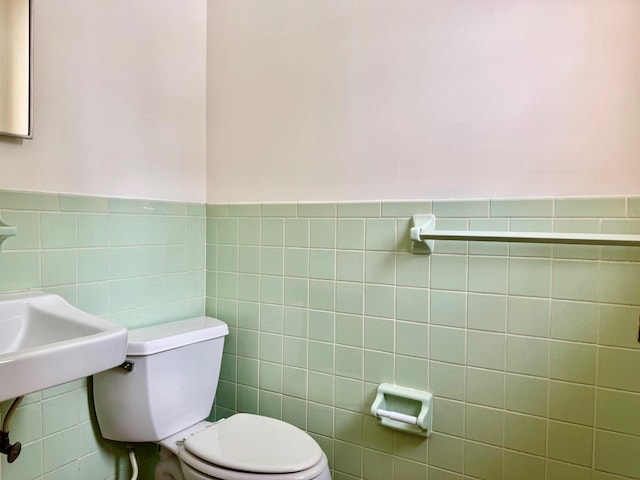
(127, 366)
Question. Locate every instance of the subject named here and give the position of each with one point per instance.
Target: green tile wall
(135, 262)
(530, 351)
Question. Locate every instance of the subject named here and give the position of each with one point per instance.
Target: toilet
(165, 390)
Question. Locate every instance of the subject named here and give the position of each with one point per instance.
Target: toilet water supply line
(132, 459)
(12, 451)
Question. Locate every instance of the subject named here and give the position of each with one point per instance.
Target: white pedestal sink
(44, 341)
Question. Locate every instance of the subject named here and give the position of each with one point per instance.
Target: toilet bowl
(166, 392)
(247, 447)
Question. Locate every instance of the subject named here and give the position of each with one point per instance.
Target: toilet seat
(194, 468)
(250, 446)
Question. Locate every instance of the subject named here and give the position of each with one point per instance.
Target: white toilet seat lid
(254, 443)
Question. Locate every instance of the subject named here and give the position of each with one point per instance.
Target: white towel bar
(424, 233)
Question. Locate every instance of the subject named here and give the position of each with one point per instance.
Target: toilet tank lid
(166, 336)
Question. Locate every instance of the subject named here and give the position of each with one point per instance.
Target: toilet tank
(171, 386)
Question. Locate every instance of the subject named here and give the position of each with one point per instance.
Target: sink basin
(44, 341)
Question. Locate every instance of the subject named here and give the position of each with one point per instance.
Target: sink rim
(37, 302)
(27, 370)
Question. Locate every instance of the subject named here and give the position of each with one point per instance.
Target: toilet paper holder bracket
(404, 409)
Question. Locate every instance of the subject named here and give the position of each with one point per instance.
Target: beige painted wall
(119, 101)
(381, 99)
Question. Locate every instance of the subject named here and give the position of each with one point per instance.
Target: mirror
(15, 68)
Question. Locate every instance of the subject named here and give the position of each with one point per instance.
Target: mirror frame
(29, 134)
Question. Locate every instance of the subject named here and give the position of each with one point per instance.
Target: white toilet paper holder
(403, 409)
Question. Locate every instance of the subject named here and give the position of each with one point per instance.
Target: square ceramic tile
(348, 426)
(487, 312)
(527, 355)
(349, 329)
(272, 232)
(525, 433)
(348, 459)
(377, 465)
(485, 387)
(379, 301)
(447, 345)
(488, 274)
(321, 387)
(322, 264)
(520, 466)
(322, 233)
(486, 349)
(412, 372)
(321, 294)
(450, 418)
(295, 351)
(296, 232)
(350, 234)
(575, 280)
(448, 308)
(526, 394)
(570, 443)
(574, 362)
(58, 230)
(380, 267)
(379, 334)
(618, 283)
(571, 402)
(93, 230)
(530, 277)
(618, 411)
(380, 234)
(412, 304)
(321, 356)
(412, 339)
(295, 322)
(618, 326)
(349, 362)
(484, 425)
(616, 453)
(321, 326)
(350, 266)
(296, 262)
(528, 316)
(448, 272)
(412, 270)
(349, 394)
(296, 292)
(58, 267)
(576, 321)
(483, 461)
(349, 298)
(610, 375)
(446, 452)
(378, 367)
(249, 232)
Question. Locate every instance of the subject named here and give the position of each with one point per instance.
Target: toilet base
(168, 467)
